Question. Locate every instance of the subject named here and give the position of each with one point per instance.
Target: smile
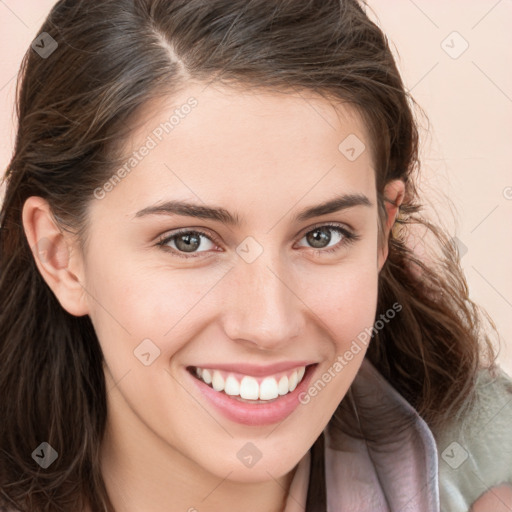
(259, 396)
(249, 387)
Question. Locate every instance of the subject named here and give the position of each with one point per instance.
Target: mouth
(249, 388)
(252, 399)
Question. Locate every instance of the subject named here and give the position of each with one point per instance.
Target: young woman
(208, 301)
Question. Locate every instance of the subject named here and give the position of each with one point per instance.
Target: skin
(264, 156)
(497, 499)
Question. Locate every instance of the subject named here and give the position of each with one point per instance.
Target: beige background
(455, 59)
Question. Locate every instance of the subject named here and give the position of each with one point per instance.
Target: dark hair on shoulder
(75, 109)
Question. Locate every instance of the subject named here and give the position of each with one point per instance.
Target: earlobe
(52, 252)
(394, 193)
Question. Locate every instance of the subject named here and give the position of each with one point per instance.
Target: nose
(263, 309)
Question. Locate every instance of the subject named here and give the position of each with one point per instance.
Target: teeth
(217, 381)
(292, 381)
(249, 388)
(206, 376)
(268, 389)
(232, 386)
(282, 387)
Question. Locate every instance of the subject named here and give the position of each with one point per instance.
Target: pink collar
(390, 470)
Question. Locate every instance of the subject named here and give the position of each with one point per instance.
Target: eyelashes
(195, 236)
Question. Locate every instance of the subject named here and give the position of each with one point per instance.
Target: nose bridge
(263, 308)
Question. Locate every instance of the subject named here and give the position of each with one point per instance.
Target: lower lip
(257, 413)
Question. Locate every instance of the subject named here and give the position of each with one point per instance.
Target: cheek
(355, 307)
(133, 302)
(344, 297)
(346, 307)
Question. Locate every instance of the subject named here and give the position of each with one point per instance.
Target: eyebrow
(183, 208)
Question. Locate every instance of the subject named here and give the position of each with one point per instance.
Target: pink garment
(398, 472)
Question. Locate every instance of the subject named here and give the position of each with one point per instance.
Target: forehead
(249, 148)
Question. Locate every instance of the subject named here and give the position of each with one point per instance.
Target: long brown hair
(75, 108)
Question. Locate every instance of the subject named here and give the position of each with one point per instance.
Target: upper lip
(254, 369)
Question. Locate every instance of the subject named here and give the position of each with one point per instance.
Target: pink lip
(253, 414)
(256, 370)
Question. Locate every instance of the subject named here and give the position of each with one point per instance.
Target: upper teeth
(249, 387)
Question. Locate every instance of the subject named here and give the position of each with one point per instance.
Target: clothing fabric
(413, 469)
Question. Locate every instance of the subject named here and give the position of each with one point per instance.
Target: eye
(186, 241)
(320, 237)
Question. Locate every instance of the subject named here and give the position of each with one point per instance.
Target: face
(208, 320)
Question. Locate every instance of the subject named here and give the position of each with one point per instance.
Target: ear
(394, 192)
(55, 256)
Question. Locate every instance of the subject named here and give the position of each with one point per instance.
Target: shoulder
(475, 452)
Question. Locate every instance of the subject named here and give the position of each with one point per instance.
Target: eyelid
(340, 225)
